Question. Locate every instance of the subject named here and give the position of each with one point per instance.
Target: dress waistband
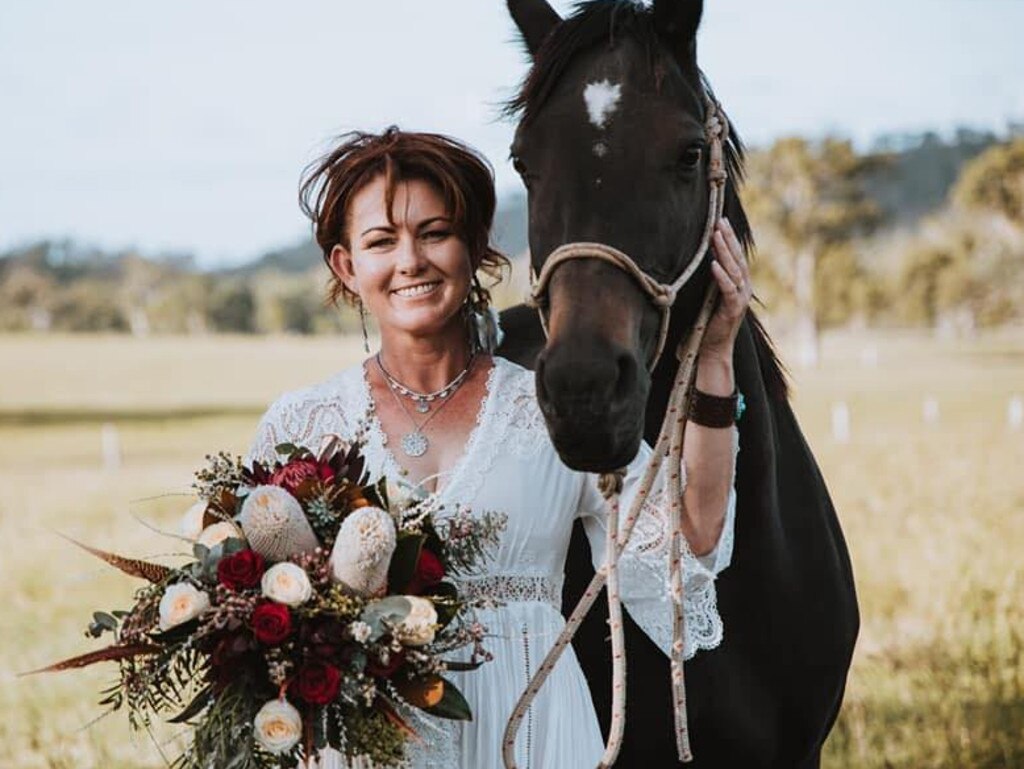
(508, 588)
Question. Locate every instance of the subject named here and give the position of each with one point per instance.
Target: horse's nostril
(580, 378)
(628, 374)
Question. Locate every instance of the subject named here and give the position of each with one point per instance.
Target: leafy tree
(233, 307)
(994, 181)
(807, 201)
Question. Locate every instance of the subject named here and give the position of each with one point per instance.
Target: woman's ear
(340, 262)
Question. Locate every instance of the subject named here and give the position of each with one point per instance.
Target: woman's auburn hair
(460, 174)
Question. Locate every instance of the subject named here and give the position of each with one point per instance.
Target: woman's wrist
(715, 374)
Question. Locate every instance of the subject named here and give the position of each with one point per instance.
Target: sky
(183, 127)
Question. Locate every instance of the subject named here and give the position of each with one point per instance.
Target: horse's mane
(602, 22)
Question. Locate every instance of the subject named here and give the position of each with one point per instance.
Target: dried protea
(362, 552)
(275, 525)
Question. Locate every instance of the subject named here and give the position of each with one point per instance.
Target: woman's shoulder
(515, 407)
(335, 405)
(337, 388)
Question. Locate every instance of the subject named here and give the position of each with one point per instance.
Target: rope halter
(661, 295)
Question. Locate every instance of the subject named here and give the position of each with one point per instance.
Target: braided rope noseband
(667, 448)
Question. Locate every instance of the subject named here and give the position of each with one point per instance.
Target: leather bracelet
(709, 410)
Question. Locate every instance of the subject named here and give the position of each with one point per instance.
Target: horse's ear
(535, 19)
(677, 21)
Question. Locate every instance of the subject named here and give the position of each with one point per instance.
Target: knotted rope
(667, 448)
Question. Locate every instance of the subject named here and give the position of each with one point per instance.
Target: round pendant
(422, 406)
(414, 444)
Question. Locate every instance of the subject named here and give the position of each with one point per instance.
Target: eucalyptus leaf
(104, 620)
(384, 614)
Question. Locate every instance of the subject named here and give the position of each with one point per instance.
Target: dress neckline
(392, 468)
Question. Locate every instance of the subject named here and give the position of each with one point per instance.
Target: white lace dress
(510, 465)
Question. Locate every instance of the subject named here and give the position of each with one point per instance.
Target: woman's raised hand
(730, 270)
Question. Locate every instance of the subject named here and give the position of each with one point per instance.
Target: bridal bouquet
(313, 613)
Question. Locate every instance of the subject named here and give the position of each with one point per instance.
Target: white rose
(192, 521)
(360, 631)
(287, 583)
(216, 533)
(417, 629)
(180, 603)
(278, 726)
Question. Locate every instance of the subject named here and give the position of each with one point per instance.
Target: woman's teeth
(423, 288)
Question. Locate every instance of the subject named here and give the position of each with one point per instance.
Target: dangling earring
(485, 328)
(362, 322)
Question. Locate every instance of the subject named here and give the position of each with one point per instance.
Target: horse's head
(613, 149)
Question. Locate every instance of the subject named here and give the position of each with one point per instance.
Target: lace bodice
(510, 465)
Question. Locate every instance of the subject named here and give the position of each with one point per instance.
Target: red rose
(376, 668)
(317, 683)
(429, 571)
(291, 476)
(233, 657)
(241, 570)
(271, 623)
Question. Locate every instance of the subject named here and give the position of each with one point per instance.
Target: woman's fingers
(735, 247)
(727, 260)
(729, 252)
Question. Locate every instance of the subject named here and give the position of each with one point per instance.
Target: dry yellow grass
(932, 514)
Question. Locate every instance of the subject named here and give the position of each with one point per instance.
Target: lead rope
(669, 446)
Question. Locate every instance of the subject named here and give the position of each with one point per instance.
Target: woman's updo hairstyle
(461, 175)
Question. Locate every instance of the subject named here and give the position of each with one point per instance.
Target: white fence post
(1015, 413)
(841, 422)
(110, 440)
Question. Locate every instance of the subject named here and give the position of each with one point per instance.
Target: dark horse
(611, 147)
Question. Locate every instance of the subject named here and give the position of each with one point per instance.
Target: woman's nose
(410, 255)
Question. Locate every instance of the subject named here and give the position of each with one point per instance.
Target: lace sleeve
(303, 417)
(643, 568)
(264, 442)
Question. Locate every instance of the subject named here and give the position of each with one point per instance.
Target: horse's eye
(691, 156)
(517, 163)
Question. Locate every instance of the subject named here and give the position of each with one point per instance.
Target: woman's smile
(417, 290)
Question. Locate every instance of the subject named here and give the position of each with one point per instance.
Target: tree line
(915, 231)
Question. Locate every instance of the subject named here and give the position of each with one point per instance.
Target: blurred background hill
(918, 230)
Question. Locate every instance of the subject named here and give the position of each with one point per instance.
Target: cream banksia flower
(278, 726)
(362, 551)
(275, 525)
(180, 603)
(286, 583)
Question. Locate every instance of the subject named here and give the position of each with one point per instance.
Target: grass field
(932, 511)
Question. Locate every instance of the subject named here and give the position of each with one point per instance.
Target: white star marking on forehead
(601, 98)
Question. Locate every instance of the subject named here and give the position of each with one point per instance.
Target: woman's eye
(436, 234)
(380, 242)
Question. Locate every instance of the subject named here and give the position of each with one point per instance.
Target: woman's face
(413, 276)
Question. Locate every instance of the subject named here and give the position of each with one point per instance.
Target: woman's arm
(709, 452)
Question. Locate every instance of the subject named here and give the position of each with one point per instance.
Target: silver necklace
(415, 443)
(423, 400)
